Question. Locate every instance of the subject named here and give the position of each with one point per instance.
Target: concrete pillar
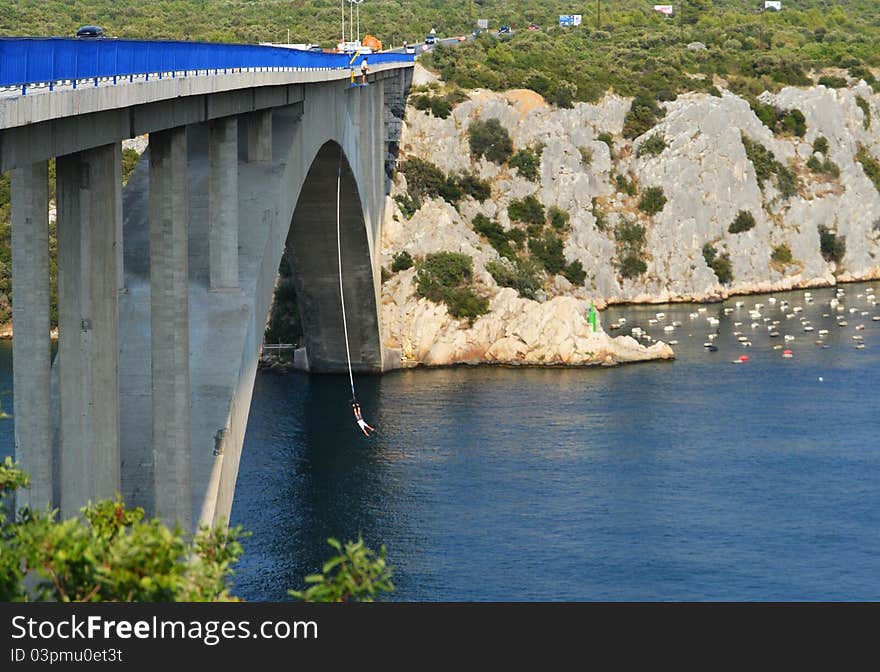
(88, 316)
(31, 353)
(169, 326)
(259, 134)
(120, 274)
(223, 204)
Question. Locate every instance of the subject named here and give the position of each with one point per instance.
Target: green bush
(496, 235)
(523, 275)
(401, 261)
(608, 139)
(444, 277)
(473, 186)
(386, 275)
(423, 179)
(832, 246)
(866, 110)
(547, 251)
(781, 254)
(355, 574)
(720, 265)
(709, 254)
(563, 94)
(652, 200)
(632, 267)
(528, 210)
(575, 273)
(743, 221)
(820, 144)
(643, 115)
(559, 219)
(586, 156)
(766, 166)
(630, 233)
(407, 205)
(723, 269)
(528, 163)
(439, 106)
(626, 186)
(870, 165)
(781, 122)
(110, 553)
(129, 160)
(833, 82)
(653, 146)
(490, 139)
(826, 167)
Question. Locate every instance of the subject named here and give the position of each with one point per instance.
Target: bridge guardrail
(26, 61)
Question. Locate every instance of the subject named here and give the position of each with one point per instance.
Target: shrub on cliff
(473, 186)
(528, 210)
(547, 251)
(527, 163)
(632, 267)
(490, 139)
(558, 219)
(743, 221)
(643, 115)
(652, 201)
(832, 246)
(444, 277)
(523, 275)
(820, 144)
(870, 165)
(781, 254)
(653, 146)
(496, 235)
(720, 265)
(401, 261)
(866, 111)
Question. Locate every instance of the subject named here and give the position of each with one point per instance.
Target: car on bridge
(90, 32)
(431, 40)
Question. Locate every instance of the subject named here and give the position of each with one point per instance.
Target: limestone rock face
(707, 179)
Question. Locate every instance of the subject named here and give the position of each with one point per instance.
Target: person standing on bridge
(365, 428)
(364, 70)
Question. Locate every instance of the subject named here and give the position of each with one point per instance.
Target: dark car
(431, 39)
(90, 31)
(504, 30)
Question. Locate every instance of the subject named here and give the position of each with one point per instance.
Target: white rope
(339, 256)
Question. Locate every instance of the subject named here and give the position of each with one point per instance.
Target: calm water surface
(696, 479)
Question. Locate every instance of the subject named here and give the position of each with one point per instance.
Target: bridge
(164, 287)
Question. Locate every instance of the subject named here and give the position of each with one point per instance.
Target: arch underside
(312, 248)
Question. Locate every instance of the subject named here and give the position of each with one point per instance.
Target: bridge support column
(223, 204)
(169, 326)
(259, 136)
(31, 352)
(88, 316)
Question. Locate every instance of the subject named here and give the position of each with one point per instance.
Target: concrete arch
(312, 246)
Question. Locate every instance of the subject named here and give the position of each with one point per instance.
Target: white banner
(773, 4)
(664, 9)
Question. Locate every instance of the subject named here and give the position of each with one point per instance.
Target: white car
(410, 49)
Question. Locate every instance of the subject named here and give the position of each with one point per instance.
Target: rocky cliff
(812, 214)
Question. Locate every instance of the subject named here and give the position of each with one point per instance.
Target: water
(696, 479)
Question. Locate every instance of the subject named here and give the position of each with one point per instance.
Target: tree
(354, 574)
(110, 554)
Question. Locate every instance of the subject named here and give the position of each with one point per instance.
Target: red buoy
(743, 358)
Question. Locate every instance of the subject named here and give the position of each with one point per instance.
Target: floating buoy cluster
(774, 318)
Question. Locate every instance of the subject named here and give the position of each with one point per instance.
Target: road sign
(483, 23)
(570, 19)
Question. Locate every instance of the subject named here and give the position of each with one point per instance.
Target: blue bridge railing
(28, 61)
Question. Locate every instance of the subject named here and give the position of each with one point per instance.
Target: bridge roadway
(164, 287)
